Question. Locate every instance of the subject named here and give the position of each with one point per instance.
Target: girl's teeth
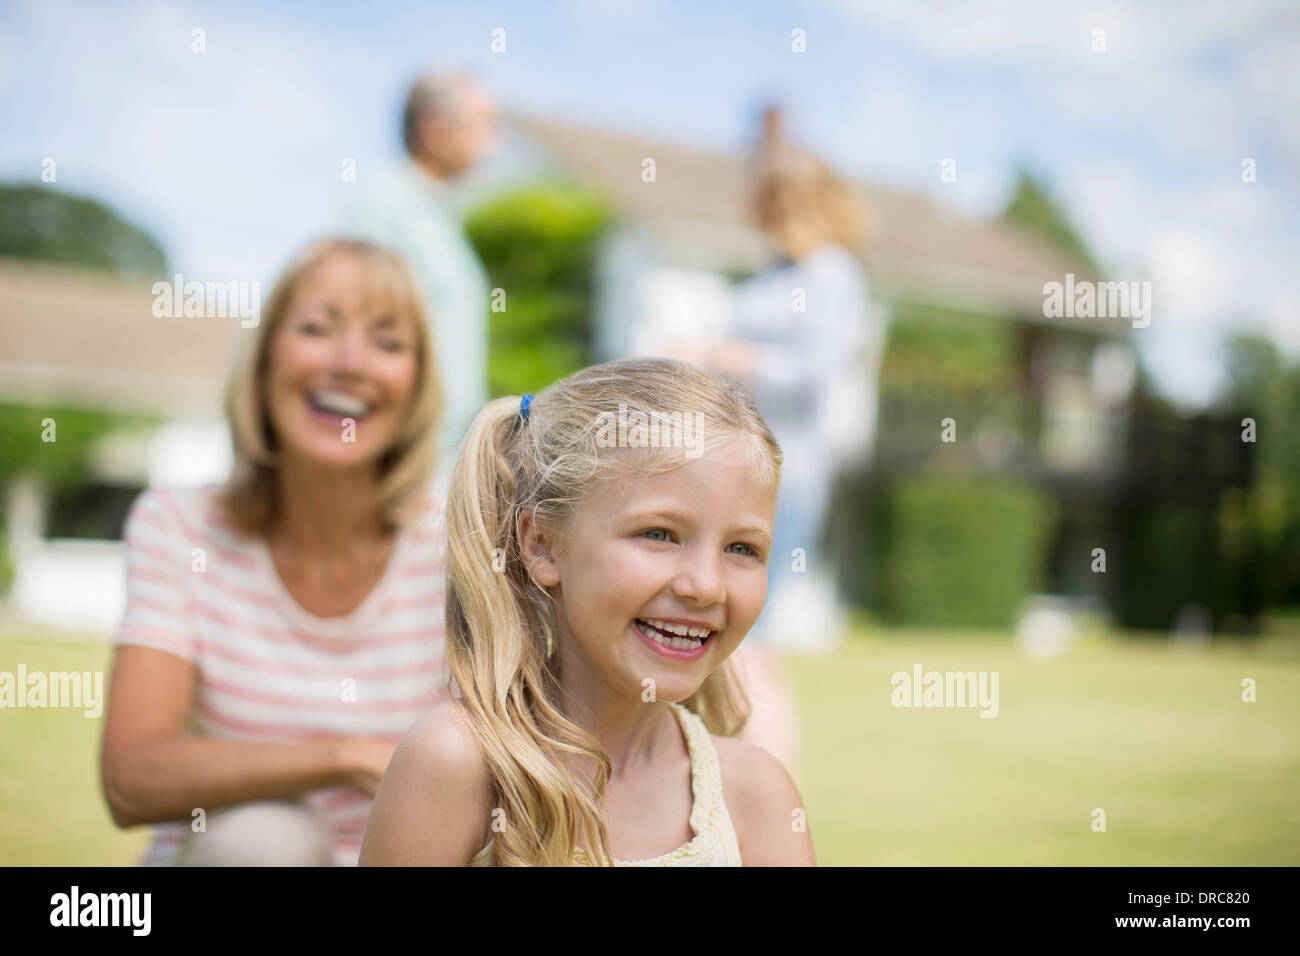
(681, 630)
(682, 643)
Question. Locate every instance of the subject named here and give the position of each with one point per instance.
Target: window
(90, 511)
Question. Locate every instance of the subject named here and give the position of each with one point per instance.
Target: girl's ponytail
(499, 636)
(481, 540)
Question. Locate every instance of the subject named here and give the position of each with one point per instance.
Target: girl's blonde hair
(501, 623)
(249, 496)
(802, 203)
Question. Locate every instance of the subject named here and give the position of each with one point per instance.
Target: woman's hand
(735, 358)
(686, 350)
(153, 772)
(364, 760)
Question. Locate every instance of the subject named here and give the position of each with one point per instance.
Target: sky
(231, 156)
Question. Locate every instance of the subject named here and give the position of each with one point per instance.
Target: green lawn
(1160, 739)
(52, 809)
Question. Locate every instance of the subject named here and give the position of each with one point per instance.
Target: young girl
(608, 544)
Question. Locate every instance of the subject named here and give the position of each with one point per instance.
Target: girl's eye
(749, 552)
(393, 345)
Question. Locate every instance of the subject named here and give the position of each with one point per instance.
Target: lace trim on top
(714, 843)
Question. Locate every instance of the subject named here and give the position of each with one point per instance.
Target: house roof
(78, 336)
(697, 211)
(81, 337)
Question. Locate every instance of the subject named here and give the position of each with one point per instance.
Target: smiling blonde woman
(283, 630)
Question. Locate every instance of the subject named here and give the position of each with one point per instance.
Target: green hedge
(538, 244)
(937, 351)
(1179, 554)
(960, 552)
(62, 463)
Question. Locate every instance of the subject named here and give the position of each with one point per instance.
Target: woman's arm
(152, 773)
(435, 803)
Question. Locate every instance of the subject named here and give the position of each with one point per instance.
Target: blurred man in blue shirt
(449, 123)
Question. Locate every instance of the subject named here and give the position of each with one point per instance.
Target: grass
(1159, 738)
(52, 809)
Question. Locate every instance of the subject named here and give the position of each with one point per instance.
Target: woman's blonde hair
(802, 203)
(501, 622)
(249, 496)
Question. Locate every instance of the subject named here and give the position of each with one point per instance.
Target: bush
(538, 245)
(959, 551)
(937, 351)
(61, 463)
(1182, 553)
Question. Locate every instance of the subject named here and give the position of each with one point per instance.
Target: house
(686, 235)
(76, 337)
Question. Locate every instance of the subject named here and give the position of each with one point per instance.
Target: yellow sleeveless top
(715, 842)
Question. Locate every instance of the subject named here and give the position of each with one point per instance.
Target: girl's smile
(672, 644)
(678, 558)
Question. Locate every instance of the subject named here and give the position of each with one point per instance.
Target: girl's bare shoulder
(765, 806)
(442, 742)
(750, 774)
(434, 805)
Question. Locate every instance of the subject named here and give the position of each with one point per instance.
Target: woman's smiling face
(341, 369)
(685, 549)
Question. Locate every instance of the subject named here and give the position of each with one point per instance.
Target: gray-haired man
(448, 124)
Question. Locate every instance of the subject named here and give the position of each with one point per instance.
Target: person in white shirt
(805, 339)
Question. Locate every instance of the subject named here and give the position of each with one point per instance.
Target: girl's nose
(701, 578)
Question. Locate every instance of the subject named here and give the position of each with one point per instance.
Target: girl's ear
(535, 548)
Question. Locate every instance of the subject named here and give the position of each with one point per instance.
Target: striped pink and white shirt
(267, 669)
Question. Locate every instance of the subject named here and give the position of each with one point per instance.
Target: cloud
(1036, 33)
(1143, 143)
(193, 145)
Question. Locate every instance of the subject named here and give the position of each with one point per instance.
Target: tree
(1254, 368)
(37, 222)
(1033, 207)
(1262, 387)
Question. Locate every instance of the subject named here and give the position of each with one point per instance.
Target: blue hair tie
(524, 404)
